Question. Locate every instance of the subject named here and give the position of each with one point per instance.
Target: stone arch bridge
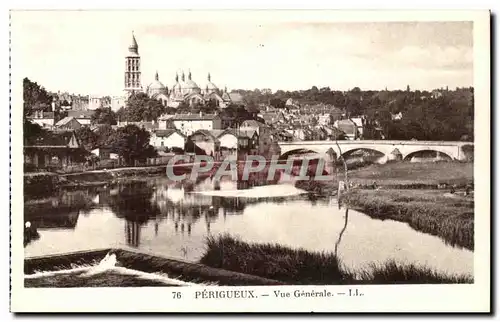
(406, 148)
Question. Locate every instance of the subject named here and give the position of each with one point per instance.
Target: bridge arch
(354, 150)
(300, 151)
(428, 154)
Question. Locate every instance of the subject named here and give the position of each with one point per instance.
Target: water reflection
(346, 220)
(174, 219)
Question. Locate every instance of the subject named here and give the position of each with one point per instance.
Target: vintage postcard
(250, 161)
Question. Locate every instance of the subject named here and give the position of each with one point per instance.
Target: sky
(84, 51)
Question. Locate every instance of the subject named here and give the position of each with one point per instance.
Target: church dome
(210, 87)
(189, 86)
(156, 86)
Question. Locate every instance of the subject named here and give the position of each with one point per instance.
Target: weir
(140, 265)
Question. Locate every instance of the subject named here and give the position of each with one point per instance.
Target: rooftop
(193, 117)
(81, 114)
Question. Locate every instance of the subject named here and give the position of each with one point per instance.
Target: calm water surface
(173, 220)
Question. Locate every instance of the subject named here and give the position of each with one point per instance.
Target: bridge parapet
(451, 148)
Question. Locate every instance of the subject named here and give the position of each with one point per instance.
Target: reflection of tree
(346, 218)
(61, 211)
(133, 203)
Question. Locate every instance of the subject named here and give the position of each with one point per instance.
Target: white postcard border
(383, 298)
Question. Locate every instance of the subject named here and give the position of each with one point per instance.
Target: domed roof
(211, 86)
(189, 84)
(156, 86)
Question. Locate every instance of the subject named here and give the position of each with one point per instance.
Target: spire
(133, 48)
(183, 77)
(189, 75)
(209, 77)
(176, 77)
(156, 76)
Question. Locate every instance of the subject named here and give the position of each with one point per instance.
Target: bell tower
(133, 69)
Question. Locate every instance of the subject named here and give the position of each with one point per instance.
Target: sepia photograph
(314, 155)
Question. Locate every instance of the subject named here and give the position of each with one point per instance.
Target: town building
(349, 127)
(55, 149)
(190, 123)
(103, 153)
(360, 123)
(167, 139)
(150, 126)
(83, 117)
(133, 81)
(264, 133)
(68, 123)
(207, 141)
(44, 119)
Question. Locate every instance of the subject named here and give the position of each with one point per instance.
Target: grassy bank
(433, 212)
(414, 175)
(299, 266)
(398, 175)
(273, 261)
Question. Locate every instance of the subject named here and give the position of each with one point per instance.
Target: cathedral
(184, 91)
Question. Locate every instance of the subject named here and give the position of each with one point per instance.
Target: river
(173, 220)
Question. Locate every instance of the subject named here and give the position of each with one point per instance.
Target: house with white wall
(190, 123)
(168, 138)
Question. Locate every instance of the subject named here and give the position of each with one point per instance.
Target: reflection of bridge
(407, 149)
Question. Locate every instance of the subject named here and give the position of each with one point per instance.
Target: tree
(132, 144)
(277, 103)
(314, 121)
(104, 135)
(87, 138)
(103, 115)
(35, 97)
(31, 131)
(141, 107)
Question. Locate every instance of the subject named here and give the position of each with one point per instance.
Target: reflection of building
(56, 221)
(133, 233)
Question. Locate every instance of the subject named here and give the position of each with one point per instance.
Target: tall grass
(273, 261)
(451, 219)
(299, 266)
(392, 272)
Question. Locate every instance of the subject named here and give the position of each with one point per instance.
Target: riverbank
(419, 194)
(42, 184)
(435, 212)
(299, 266)
(401, 175)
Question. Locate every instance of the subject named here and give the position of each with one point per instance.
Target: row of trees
(130, 142)
(441, 115)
